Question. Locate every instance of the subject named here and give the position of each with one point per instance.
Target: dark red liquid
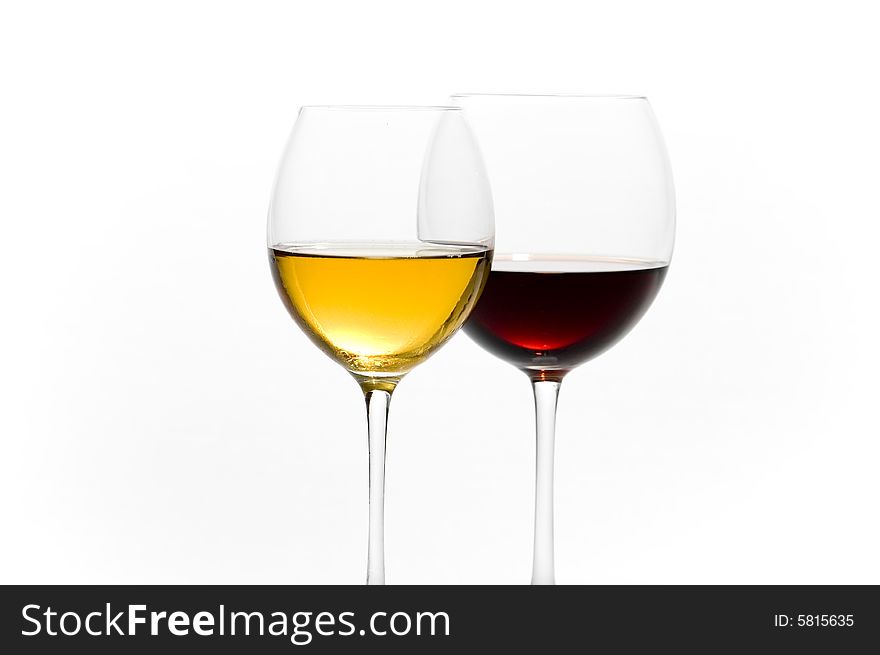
(550, 322)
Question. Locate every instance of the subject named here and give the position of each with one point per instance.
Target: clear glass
(380, 241)
(585, 212)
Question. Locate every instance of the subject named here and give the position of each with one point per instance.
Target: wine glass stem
(377, 422)
(546, 394)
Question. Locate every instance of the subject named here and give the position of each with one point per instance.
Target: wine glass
(380, 242)
(585, 226)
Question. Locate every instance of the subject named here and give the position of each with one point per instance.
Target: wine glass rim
(381, 107)
(553, 96)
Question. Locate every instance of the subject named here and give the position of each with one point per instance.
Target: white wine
(380, 309)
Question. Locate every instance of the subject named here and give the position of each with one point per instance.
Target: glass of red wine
(585, 224)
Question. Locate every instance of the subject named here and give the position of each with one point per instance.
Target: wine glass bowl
(585, 211)
(380, 238)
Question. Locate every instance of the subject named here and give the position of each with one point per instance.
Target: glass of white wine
(380, 238)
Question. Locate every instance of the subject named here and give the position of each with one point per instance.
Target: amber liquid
(547, 316)
(380, 309)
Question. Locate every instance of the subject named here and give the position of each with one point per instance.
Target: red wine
(548, 315)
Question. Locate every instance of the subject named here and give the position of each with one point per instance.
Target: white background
(163, 419)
